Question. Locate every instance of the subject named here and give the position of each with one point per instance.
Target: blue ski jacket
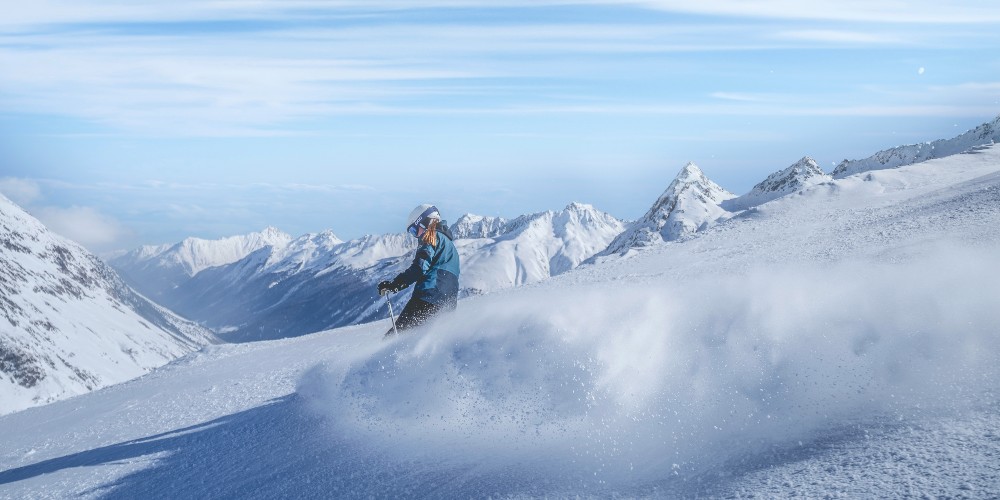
(435, 271)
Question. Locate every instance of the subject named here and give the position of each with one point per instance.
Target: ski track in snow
(839, 342)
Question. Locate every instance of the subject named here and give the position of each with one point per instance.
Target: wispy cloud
(744, 97)
(85, 225)
(842, 36)
(875, 11)
(136, 66)
(20, 191)
(893, 11)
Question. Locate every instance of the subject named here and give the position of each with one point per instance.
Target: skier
(434, 269)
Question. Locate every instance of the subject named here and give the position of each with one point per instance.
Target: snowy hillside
(70, 323)
(154, 270)
(690, 203)
(318, 282)
(841, 342)
(983, 135)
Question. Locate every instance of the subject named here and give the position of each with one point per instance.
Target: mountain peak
(807, 163)
(692, 179)
(478, 226)
(579, 207)
(690, 172)
(273, 232)
(796, 177)
(690, 203)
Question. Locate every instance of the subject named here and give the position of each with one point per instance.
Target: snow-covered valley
(841, 340)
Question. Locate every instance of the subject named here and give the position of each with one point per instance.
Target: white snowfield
(841, 341)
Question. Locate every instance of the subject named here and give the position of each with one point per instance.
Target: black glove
(385, 287)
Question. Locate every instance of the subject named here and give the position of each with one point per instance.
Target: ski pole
(391, 316)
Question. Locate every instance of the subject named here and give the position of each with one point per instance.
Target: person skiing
(435, 270)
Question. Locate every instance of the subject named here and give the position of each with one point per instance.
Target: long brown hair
(430, 234)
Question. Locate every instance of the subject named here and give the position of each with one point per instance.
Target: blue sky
(141, 122)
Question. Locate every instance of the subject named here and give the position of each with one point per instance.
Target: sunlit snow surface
(842, 341)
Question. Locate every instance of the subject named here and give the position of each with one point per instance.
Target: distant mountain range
(70, 324)
(282, 287)
(267, 285)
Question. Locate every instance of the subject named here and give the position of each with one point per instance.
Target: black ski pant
(414, 314)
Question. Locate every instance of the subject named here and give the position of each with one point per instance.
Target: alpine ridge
(156, 269)
(983, 135)
(478, 226)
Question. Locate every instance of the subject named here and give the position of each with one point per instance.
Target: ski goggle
(415, 228)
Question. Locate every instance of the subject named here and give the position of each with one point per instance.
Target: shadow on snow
(271, 451)
(274, 450)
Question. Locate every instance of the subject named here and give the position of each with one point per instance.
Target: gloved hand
(385, 287)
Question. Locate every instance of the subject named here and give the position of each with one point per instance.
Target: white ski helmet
(425, 211)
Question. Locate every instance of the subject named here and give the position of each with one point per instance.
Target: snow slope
(838, 342)
(70, 324)
(317, 281)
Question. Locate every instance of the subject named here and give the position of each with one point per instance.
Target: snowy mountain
(690, 203)
(534, 247)
(478, 226)
(801, 175)
(318, 282)
(71, 325)
(841, 343)
(983, 135)
(156, 269)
